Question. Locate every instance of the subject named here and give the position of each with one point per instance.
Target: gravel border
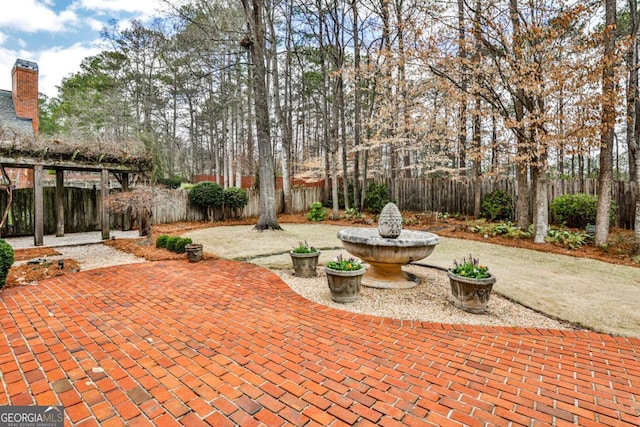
(430, 301)
(92, 256)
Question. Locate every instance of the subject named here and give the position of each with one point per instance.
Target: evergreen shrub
(161, 241)
(235, 198)
(577, 210)
(6, 260)
(497, 206)
(376, 198)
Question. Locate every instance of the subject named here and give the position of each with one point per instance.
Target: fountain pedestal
(387, 256)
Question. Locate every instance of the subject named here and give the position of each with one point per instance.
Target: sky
(59, 34)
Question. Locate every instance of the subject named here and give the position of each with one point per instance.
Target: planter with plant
(305, 260)
(471, 284)
(344, 276)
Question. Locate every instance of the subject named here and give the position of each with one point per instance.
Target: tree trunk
(541, 205)
(523, 151)
(357, 107)
(608, 123)
(477, 125)
(335, 212)
(254, 10)
(633, 121)
(477, 161)
(282, 114)
(462, 109)
(345, 148)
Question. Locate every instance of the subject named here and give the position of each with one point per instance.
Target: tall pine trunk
(254, 12)
(608, 124)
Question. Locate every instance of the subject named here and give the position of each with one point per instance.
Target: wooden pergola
(61, 163)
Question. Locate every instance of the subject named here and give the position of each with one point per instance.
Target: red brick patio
(224, 343)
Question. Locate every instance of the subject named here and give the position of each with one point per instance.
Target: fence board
(82, 206)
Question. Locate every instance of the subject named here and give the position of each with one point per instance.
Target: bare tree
(256, 42)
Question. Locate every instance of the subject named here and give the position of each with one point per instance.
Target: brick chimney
(24, 78)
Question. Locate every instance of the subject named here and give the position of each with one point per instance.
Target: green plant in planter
(316, 212)
(342, 264)
(304, 248)
(470, 268)
(471, 284)
(6, 260)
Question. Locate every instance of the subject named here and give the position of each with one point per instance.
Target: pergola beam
(69, 165)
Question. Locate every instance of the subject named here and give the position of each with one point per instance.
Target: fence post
(104, 193)
(38, 206)
(59, 202)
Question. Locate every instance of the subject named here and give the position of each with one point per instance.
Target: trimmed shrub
(497, 206)
(6, 260)
(161, 241)
(207, 194)
(376, 198)
(181, 243)
(577, 210)
(172, 241)
(235, 198)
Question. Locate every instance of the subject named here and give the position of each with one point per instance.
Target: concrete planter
(344, 285)
(194, 252)
(471, 295)
(305, 264)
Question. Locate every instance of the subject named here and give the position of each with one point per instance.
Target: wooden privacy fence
(457, 195)
(82, 206)
(173, 205)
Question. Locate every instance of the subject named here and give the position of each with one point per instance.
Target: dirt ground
(618, 250)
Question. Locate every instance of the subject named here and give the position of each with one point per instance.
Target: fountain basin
(386, 256)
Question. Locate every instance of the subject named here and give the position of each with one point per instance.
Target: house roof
(8, 118)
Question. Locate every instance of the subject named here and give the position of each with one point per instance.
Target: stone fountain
(388, 249)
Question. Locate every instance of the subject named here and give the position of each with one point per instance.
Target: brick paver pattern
(224, 343)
